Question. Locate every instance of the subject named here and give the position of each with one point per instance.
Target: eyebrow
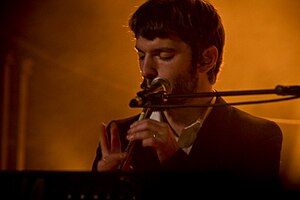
(157, 50)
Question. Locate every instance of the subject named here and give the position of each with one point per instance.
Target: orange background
(83, 70)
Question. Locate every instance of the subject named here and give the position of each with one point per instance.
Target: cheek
(174, 68)
(182, 64)
(185, 82)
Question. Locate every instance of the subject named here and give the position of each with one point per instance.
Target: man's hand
(111, 150)
(158, 135)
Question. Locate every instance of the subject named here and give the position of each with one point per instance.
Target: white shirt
(189, 133)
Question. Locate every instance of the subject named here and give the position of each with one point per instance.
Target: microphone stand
(161, 99)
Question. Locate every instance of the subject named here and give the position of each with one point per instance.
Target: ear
(208, 59)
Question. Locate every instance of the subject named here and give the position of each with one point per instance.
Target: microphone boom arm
(161, 99)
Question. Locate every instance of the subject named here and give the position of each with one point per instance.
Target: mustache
(146, 83)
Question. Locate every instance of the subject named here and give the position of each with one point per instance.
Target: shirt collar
(189, 133)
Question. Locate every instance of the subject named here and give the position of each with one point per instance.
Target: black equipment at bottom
(51, 185)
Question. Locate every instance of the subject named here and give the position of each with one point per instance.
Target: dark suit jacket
(230, 142)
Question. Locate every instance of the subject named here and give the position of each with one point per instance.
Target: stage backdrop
(77, 67)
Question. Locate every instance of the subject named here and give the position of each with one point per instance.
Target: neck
(179, 118)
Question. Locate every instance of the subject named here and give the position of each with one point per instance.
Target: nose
(148, 67)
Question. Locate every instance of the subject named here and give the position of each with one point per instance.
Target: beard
(184, 84)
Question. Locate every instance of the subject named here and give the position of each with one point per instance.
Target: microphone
(287, 90)
(154, 93)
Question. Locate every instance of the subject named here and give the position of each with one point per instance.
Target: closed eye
(166, 56)
(141, 55)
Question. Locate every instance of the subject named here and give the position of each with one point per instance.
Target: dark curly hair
(196, 22)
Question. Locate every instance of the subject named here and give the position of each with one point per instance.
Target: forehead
(143, 44)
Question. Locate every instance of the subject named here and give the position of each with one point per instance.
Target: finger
(143, 125)
(115, 139)
(110, 162)
(151, 142)
(104, 140)
(144, 129)
(141, 135)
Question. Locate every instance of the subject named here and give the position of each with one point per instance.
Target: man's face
(170, 59)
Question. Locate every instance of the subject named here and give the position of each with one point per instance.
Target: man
(182, 41)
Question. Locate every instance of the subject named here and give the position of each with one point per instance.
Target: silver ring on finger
(154, 135)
